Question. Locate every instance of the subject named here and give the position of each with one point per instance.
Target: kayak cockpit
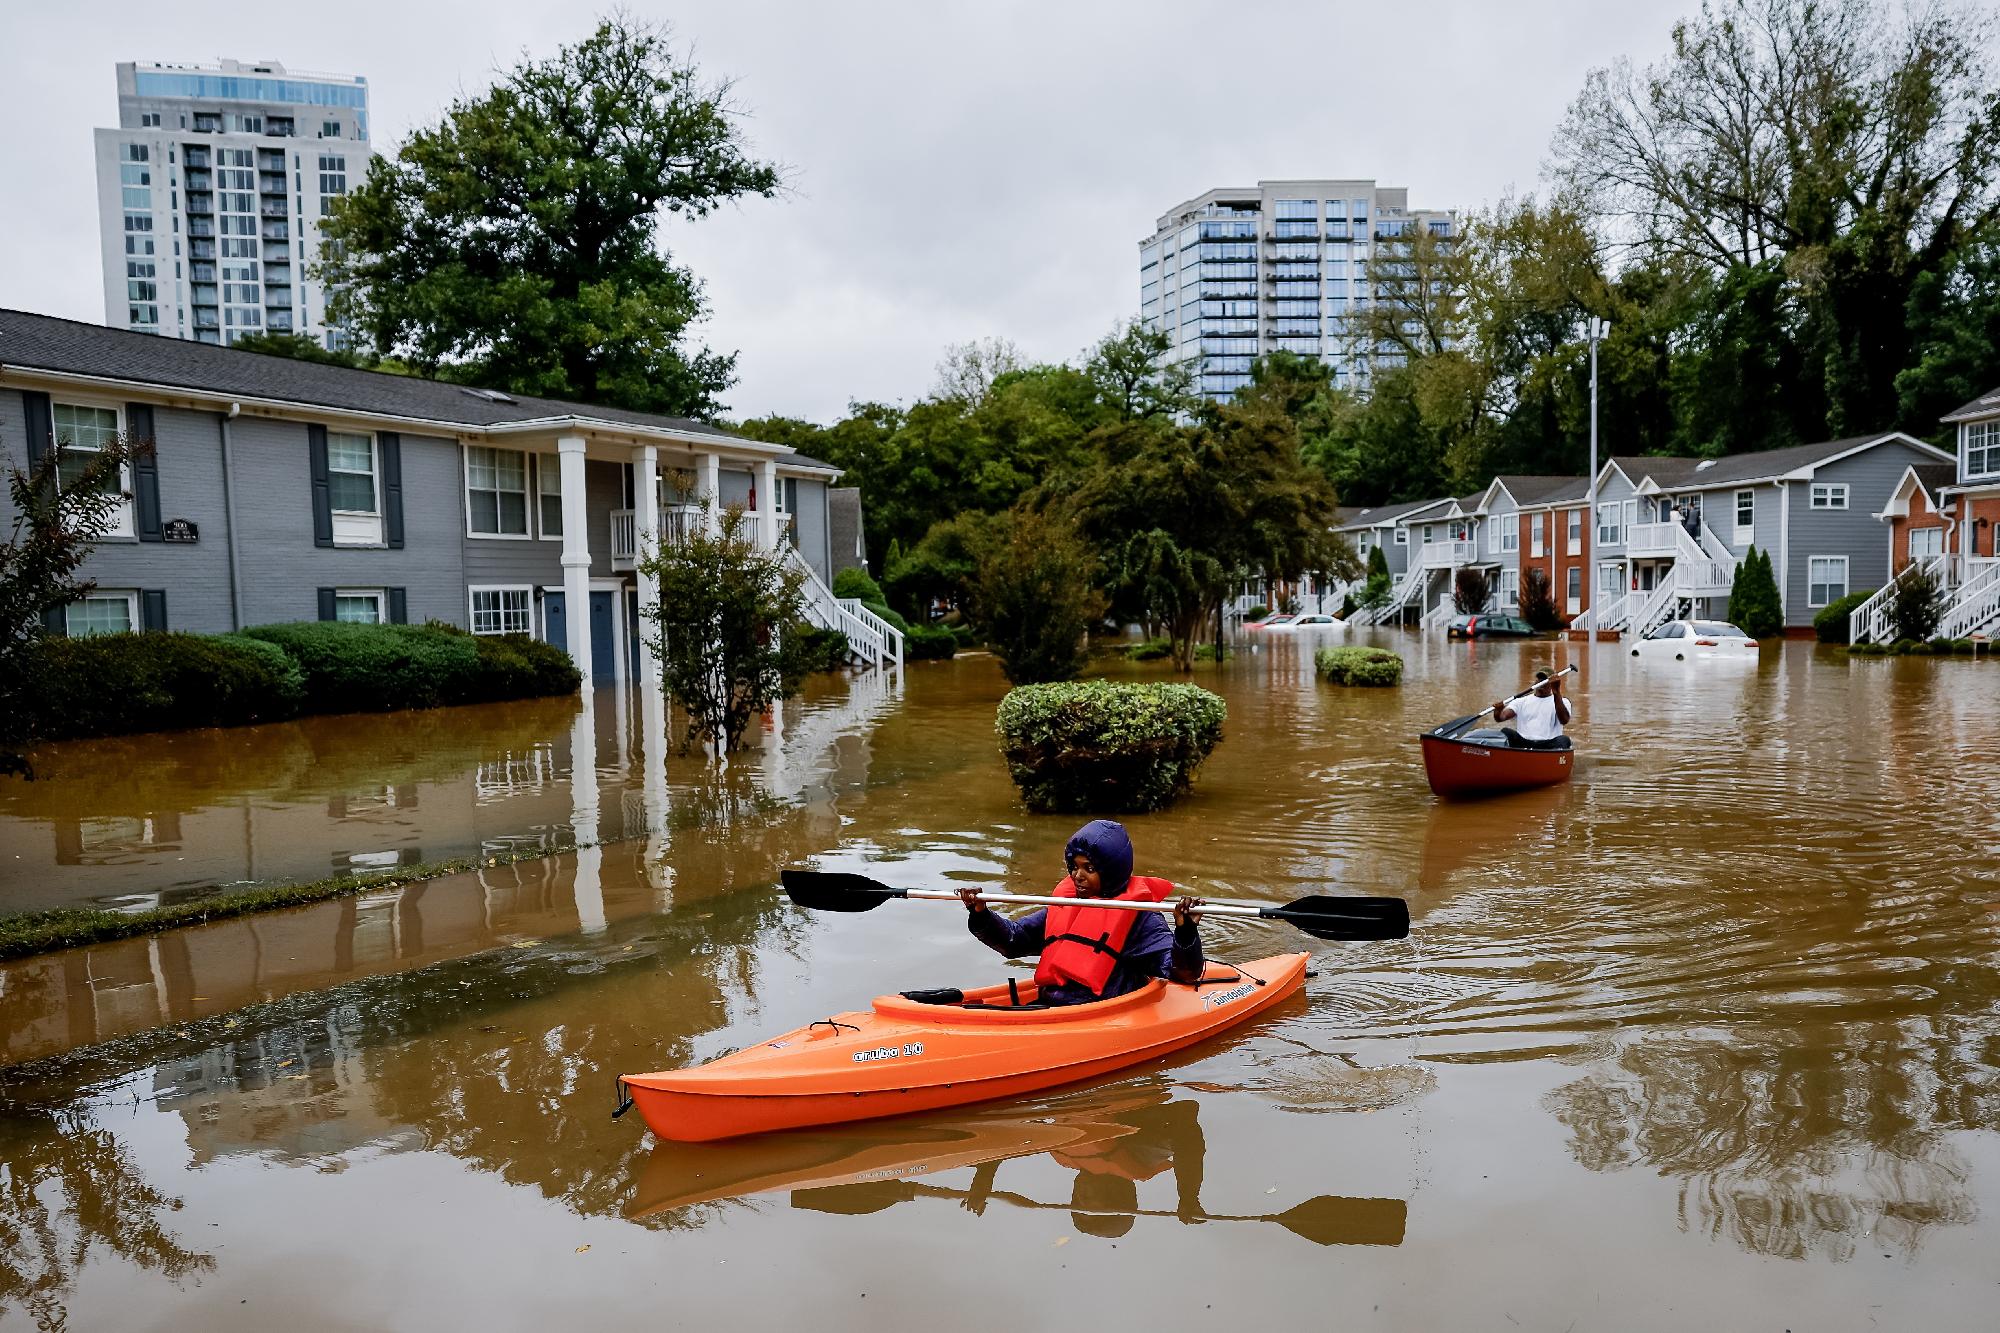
(1010, 1002)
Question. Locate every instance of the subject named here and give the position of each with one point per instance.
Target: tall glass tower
(210, 191)
(1282, 266)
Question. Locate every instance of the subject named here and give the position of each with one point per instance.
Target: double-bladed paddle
(1327, 917)
(1458, 724)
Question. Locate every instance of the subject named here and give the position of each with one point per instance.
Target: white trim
(1835, 493)
(1845, 580)
(1784, 569)
(360, 527)
(380, 596)
(472, 608)
(129, 596)
(125, 518)
(535, 468)
(465, 495)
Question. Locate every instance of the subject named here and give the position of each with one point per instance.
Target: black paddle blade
(1456, 725)
(835, 890)
(1346, 918)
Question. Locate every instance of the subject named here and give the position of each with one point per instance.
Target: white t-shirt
(1535, 718)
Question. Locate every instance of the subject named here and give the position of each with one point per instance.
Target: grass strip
(68, 927)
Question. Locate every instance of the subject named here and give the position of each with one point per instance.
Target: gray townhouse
(281, 490)
(1397, 531)
(1670, 532)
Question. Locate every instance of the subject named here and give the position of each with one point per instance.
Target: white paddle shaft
(1121, 904)
(1525, 693)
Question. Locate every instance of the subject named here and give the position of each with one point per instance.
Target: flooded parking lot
(1706, 1038)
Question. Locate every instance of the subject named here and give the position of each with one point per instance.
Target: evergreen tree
(1754, 606)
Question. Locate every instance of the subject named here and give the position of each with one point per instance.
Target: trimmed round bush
(809, 651)
(928, 642)
(1096, 746)
(114, 684)
(514, 666)
(354, 668)
(1830, 625)
(857, 583)
(1868, 650)
(1359, 666)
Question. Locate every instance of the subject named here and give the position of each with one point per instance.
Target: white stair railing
(1606, 615)
(890, 637)
(873, 641)
(1408, 588)
(1656, 609)
(1976, 607)
(1440, 614)
(1870, 621)
(1697, 573)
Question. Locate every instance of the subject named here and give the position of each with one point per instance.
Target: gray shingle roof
(1931, 476)
(1986, 405)
(43, 342)
(1375, 515)
(1671, 474)
(1530, 491)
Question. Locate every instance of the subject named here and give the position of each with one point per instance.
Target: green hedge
(115, 684)
(857, 583)
(1150, 650)
(1081, 746)
(1359, 666)
(927, 642)
(354, 668)
(1830, 625)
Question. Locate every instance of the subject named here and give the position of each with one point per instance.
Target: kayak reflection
(1112, 1142)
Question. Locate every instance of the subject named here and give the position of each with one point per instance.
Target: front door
(603, 666)
(555, 620)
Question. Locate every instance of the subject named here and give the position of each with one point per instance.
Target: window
(350, 464)
(149, 119)
(1925, 542)
(501, 611)
(1575, 593)
(1826, 579)
(1510, 587)
(1534, 534)
(1746, 515)
(1430, 531)
(548, 484)
(329, 129)
(1829, 495)
(1510, 533)
(101, 613)
(361, 606)
(1576, 532)
(496, 492)
(1402, 536)
(1982, 449)
(81, 431)
(1610, 579)
(1608, 531)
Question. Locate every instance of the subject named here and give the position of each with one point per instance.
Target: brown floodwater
(1706, 1039)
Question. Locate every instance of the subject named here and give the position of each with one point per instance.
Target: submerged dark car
(1488, 625)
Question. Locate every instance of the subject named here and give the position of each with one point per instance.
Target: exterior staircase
(1976, 609)
(1870, 622)
(1408, 588)
(872, 641)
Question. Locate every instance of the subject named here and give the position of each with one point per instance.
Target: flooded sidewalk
(1705, 1039)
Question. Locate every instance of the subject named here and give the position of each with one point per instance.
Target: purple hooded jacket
(1153, 949)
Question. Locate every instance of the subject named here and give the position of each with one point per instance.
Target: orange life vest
(1082, 944)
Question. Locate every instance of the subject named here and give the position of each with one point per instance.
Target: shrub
(1868, 650)
(1538, 600)
(1257, 612)
(1941, 646)
(1909, 648)
(116, 684)
(1150, 650)
(1830, 625)
(354, 668)
(1917, 605)
(1205, 652)
(1359, 666)
(923, 643)
(857, 583)
(808, 650)
(1964, 647)
(1099, 746)
(1375, 592)
(1470, 590)
(1037, 597)
(1753, 597)
(967, 636)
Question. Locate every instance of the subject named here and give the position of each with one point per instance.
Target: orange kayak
(905, 1055)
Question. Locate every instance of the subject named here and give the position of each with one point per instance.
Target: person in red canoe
(1094, 953)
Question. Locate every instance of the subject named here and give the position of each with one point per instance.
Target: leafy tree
(63, 502)
(944, 566)
(1918, 605)
(725, 603)
(1132, 381)
(1375, 591)
(1038, 598)
(298, 347)
(1754, 605)
(1470, 591)
(1538, 601)
(515, 243)
(1954, 318)
(969, 369)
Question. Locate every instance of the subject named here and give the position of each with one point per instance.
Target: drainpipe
(229, 519)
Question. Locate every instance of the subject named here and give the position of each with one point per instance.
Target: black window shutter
(399, 606)
(322, 493)
(41, 424)
(153, 609)
(56, 620)
(392, 488)
(145, 469)
(326, 604)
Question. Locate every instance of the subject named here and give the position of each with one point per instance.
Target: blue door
(555, 619)
(603, 605)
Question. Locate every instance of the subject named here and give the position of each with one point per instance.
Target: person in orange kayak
(1094, 953)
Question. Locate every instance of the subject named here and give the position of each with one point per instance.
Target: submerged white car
(1306, 624)
(1697, 640)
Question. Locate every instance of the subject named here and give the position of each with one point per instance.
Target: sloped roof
(1986, 405)
(1530, 491)
(42, 342)
(1672, 474)
(1374, 516)
(1933, 476)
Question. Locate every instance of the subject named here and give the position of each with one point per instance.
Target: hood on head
(1109, 848)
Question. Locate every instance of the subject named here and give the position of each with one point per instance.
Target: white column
(711, 490)
(767, 502)
(588, 885)
(653, 753)
(575, 555)
(646, 519)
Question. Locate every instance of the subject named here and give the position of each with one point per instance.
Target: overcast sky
(957, 170)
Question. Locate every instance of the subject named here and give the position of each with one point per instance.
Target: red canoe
(1467, 767)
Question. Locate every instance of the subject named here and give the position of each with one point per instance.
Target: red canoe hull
(1461, 768)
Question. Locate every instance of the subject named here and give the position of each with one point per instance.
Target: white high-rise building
(210, 192)
(1282, 266)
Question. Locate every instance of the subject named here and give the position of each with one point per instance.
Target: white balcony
(1449, 555)
(677, 522)
(1651, 540)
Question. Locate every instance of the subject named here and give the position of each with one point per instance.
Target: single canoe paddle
(1458, 724)
(1328, 918)
(1326, 1220)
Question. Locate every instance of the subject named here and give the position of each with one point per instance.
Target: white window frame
(548, 471)
(1537, 526)
(1402, 536)
(1510, 587)
(124, 521)
(527, 610)
(1573, 589)
(1933, 537)
(1828, 584)
(1610, 533)
(527, 495)
(1828, 495)
(1988, 447)
(357, 527)
(1573, 532)
(130, 598)
(1746, 533)
(1510, 532)
(379, 596)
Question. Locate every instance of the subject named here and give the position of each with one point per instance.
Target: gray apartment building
(282, 490)
(1236, 273)
(210, 191)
